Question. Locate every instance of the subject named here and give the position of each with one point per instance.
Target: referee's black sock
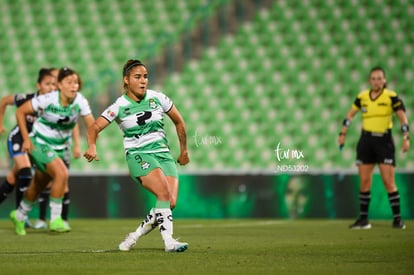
(364, 199)
(5, 189)
(65, 206)
(394, 198)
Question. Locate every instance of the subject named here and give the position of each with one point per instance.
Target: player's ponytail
(43, 72)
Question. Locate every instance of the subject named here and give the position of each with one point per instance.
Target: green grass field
(216, 247)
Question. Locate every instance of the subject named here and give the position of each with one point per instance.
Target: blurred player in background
(376, 145)
(49, 145)
(298, 197)
(139, 113)
(21, 172)
(44, 196)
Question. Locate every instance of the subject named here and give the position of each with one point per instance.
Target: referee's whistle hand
(341, 140)
(405, 145)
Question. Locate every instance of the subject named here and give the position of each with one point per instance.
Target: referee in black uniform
(376, 145)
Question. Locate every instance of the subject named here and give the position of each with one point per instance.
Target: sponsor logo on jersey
(110, 113)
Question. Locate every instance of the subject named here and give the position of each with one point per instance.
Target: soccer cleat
(129, 242)
(360, 224)
(175, 246)
(398, 224)
(27, 223)
(67, 224)
(58, 226)
(19, 225)
(40, 224)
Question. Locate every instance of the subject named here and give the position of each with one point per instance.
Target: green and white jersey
(55, 122)
(141, 122)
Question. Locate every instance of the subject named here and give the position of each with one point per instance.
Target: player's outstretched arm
(7, 100)
(93, 130)
(21, 114)
(178, 121)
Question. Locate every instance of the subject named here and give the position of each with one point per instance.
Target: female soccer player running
(49, 145)
(21, 172)
(139, 113)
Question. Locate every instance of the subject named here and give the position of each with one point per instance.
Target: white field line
(229, 225)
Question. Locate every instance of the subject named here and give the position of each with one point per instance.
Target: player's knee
(24, 176)
(25, 173)
(62, 174)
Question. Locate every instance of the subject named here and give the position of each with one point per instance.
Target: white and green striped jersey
(141, 122)
(55, 122)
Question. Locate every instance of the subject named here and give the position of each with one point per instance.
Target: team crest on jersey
(145, 165)
(152, 103)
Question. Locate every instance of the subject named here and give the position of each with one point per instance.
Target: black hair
(43, 72)
(65, 72)
(51, 69)
(377, 68)
(131, 63)
(381, 69)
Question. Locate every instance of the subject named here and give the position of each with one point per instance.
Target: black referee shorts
(376, 148)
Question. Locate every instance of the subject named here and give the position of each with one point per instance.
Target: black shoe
(398, 224)
(360, 224)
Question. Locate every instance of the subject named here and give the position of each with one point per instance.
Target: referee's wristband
(405, 128)
(346, 122)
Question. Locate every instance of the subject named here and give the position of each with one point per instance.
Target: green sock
(163, 204)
